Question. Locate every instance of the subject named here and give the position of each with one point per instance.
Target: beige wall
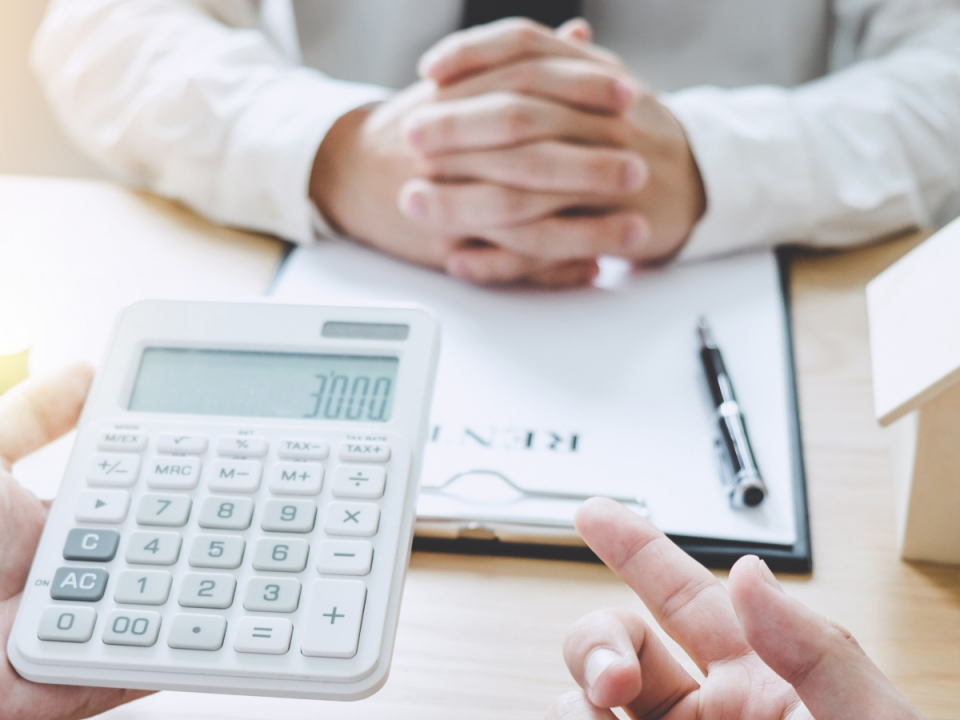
(31, 142)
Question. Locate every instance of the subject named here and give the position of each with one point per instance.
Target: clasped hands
(523, 155)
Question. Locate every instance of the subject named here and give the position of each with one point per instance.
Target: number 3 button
(272, 595)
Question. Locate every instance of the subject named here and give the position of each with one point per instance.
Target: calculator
(238, 508)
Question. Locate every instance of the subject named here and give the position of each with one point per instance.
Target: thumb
(577, 29)
(821, 660)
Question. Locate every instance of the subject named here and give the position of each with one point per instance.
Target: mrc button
(92, 545)
(76, 583)
(369, 451)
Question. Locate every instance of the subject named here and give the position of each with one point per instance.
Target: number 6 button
(281, 555)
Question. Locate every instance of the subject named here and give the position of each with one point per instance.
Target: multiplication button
(266, 636)
(172, 473)
(242, 446)
(113, 470)
(197, 632)
(119, 440)
(102, 506)
(360, 519)
(352, 451)
(296, 478)
(333, 625)
(303, 450)
(67, 624)
(182, 444)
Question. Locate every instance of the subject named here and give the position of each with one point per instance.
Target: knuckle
(518, 120)
(522, 32)
(569, 706)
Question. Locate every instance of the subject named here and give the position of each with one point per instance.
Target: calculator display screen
(356, 388)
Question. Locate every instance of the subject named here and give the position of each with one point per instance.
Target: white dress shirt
(811, 121)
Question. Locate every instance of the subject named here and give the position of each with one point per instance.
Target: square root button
(333, 624)
(265, 636)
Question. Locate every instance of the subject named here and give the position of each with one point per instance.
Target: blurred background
(31, 141)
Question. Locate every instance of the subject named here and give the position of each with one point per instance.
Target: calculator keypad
(227, 525)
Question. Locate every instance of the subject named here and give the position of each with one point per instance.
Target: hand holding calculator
(237, 512)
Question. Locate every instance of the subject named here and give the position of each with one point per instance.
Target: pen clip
(724, 467)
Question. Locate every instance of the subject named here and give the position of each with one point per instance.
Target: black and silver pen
(743, 480)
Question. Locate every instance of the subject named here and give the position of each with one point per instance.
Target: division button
(182, 444)
(217, 551)
(295, 516)
(76, 583)
(303, 450)
(154, 548)
(272, 595)
(132, 627)
(197, 632)
(102, 506)
(344, 557)
(122, 441)
(61, 623)
(164, 472)
(333, 624)
(164, 510)
(143, 587)
(296, 478)
(226, 513)
(359, 481)
(242, 446)
(286, 555)
(360, 519)
(364, 451)
(113, 470)
(241, 476)
(207, 590)
(92, 545)
(266, 636)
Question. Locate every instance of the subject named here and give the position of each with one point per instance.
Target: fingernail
(626, 95)
(413, 203)
(427, 62)
(636, 235)
(597, 663)
(634, 174)
(768, 577)
(414, 133)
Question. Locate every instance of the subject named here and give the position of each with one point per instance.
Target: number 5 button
(361, 519)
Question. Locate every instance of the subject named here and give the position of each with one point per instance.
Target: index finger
(498, 43)
(684, 597)
(37, 412)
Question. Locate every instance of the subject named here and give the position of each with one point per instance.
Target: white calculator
(237, 512)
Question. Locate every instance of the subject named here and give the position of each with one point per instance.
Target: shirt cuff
(265, 178)
(750, 152)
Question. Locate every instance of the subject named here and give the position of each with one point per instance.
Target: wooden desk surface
(481, 637)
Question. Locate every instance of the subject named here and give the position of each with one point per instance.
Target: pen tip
(703, 330)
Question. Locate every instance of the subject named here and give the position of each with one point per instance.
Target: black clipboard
(712, 552)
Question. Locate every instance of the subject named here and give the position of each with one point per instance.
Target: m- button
(370, 452)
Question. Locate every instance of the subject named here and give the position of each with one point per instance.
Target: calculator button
(240, 447)
(132, 627)
(235, 475)
(344, 557)
(371, 452)
(75, 583)
(154, 548)
(143, 587)
(226, 513)
(67, 624)
(333, 625)
(172, 473)
(92, 545)
(360, 519)
(296, 478)
(164, 510)
(266, 636)
(216, 551)
(102, 506)
(359, 481)
(296, 516)
(197, 632)
(122, 441)
(272, 595)
(281, 555)
(113, 470)
(213, 590)
(303, 450)
(182, 444)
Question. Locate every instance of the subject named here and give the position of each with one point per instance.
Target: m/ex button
(84, 584)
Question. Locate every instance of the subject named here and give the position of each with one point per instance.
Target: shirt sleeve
(864, 152)
(194, 101)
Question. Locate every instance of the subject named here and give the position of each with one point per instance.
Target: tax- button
(242, 446)
(303, 450)
(119, 440)
(361, 519)
(266, 636)
(91, 545)
(364, 451)
(103, 506)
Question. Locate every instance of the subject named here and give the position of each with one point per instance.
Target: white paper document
(544, 398)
